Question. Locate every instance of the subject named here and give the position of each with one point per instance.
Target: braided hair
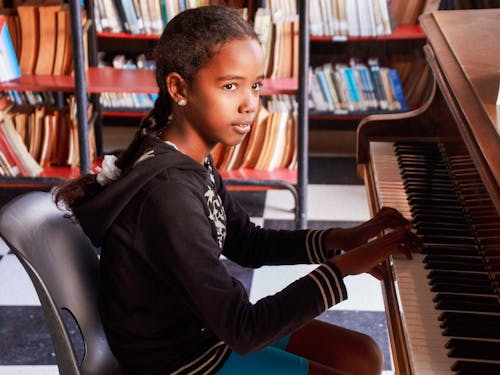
(188, 42)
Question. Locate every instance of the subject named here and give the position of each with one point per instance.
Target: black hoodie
(167, 302)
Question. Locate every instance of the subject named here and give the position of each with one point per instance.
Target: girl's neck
(185, 144)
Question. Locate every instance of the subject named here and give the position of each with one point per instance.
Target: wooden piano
(440, 165)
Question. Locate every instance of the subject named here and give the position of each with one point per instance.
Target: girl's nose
(250, 103)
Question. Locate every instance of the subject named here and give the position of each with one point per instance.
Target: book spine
(352, 88)
(398, 89)
(379, 89)
(10, 65)
(324, 89)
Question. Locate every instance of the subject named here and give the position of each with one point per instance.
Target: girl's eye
(230, 86)
(257, 86)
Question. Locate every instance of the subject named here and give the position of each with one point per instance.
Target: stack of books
(34, 138)
(271, 143)
(356, 87)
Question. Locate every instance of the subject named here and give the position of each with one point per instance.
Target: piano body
(440, 165)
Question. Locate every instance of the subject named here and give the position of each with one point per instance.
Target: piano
(440, 166)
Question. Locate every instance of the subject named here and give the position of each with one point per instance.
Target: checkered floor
(336, 197)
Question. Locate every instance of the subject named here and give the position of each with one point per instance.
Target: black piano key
(428, 189)
(470, 325)
(465, 240)
(475, 368)
(444, 226)
(466, 302)
(453, 231)
(453, 265)
(449, 287)
(470, 317)
(431, 218)
(475, 349)
(476, 331)
(435, 248)
(457, 213)
(474, 278)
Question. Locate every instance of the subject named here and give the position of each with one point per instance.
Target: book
(377, 83)
(28, 17)
(48, 38)
(9, 65)
(27, 161)
(397, 89)
(48, 139)
(61, 41)
(10, 162)
(67, 58)
(36, 133)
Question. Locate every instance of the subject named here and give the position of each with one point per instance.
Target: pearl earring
(181, 102)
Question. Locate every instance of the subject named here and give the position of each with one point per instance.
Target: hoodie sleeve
(179, 244)
(252, 246)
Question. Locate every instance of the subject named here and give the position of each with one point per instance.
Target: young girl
(162, 218)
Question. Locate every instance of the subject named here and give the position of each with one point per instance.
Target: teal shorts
(272, 360)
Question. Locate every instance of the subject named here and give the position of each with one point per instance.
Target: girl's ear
(177, 87)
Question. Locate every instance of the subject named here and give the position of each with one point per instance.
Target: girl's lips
(242, 128)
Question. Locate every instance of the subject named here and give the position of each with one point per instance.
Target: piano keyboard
(448, 295)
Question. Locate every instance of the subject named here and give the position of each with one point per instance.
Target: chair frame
(63, 267)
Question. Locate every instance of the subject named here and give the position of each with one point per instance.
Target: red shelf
(120, 80)
(127, 36)
(40, 83)
(402, 32)
(61, 172)
(282, 174)
(132, 114)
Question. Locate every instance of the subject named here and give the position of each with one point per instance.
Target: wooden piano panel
(463, 53)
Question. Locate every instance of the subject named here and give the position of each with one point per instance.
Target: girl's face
(224, 96)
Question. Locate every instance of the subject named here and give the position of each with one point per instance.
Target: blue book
(397, 89)
(324, 88)
(379, 90)
(352, 87)
(9, 65)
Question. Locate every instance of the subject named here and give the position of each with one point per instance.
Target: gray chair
(63, 266)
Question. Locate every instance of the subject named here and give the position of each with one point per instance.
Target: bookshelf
(403, 43)
(59, 84)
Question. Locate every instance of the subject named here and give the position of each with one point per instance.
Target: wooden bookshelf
(402, 32)
(108, 35)
(121, 80)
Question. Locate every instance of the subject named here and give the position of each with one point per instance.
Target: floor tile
(16, 287)
(29, 370)
(324, 202)
(25, 337)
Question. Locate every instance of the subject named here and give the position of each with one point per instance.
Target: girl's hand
(368, 257)
(350, 238)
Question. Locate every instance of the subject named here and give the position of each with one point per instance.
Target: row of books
(271, 143)
(356, 87)
(123, 101)
(41, 36)
(279, 36)
(29, 98)
(34, 138)
(140, 16)
(344, 18)
(278, 32)
(9, 65)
